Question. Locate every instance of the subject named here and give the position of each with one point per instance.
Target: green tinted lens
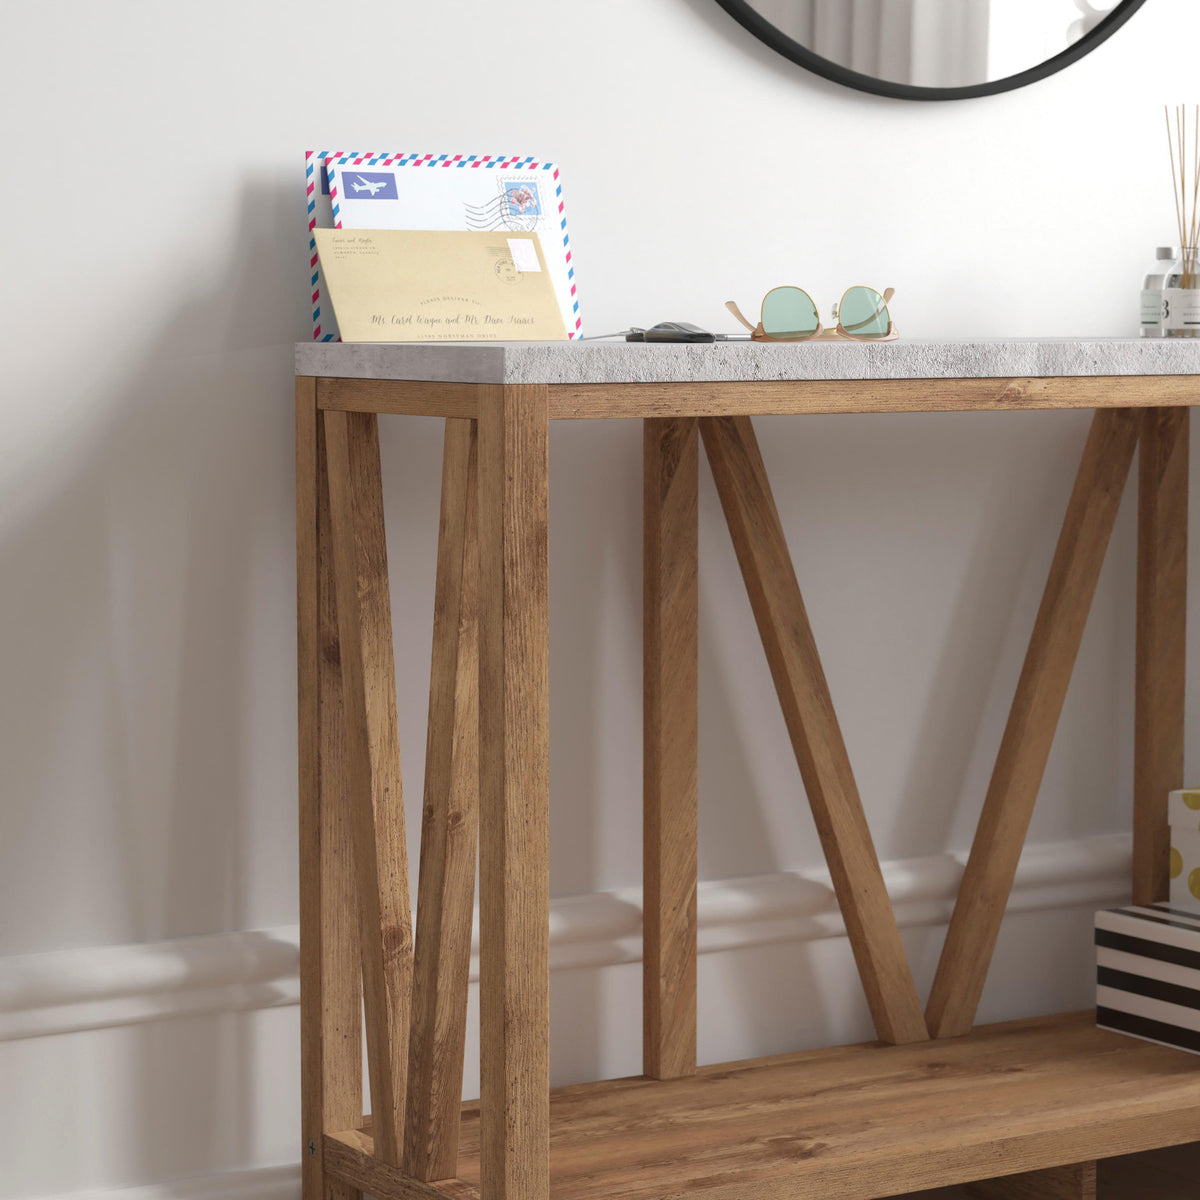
(788, 312)
(863, 313)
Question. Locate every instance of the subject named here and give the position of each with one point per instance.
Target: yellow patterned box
(1183, 812)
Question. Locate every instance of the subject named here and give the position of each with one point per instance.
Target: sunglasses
(790, 315)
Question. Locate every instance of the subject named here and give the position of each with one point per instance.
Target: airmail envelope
(374, 189)
(402, 285)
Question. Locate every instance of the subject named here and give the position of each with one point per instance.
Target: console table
(1028, 1105)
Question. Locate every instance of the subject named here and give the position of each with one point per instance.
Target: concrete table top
(631, 362)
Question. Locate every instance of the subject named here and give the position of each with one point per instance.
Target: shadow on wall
(149, 607)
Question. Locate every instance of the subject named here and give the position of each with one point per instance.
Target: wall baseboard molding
(258, 1183)
(100, 987)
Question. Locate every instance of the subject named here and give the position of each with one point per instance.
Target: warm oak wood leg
(373, 763)
(1032, 722)
(330, 993)
(1074, 1182)
(671, 460)
(1161, 642)
(514, 793)
(812, 723)
(446, 888)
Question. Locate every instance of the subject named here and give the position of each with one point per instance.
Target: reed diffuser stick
(1196, 182)
(1174, 183)
(1180, 144)
(1187, 218)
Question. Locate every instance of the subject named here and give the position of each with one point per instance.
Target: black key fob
(671, 331)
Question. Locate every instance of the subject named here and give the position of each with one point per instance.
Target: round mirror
(933, 49)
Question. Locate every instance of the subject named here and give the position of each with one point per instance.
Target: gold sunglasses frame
(839, 333)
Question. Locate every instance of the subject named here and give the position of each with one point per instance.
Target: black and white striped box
(1148, 974)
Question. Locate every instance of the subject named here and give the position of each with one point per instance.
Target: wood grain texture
(763, 397)
(373, 762)
(514, 793)
(791, 650)
(670, 650)
(1074, 1182)
(449, 828)
(402, 397)
(351, 1161)
(569, 401)
(645, 401)
(860, 1122)
(1161, 643)
(1032, 721)
(330, 993)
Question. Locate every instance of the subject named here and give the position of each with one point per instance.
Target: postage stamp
(521, 198)
(517, 207)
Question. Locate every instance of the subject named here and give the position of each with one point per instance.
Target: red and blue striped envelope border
(315, 162)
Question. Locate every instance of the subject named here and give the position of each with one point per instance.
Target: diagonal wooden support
(331, 989)
(812, 723)
(1161, 643)
(449, 828)
(1032, 722)
(372, 763)
(670, 466)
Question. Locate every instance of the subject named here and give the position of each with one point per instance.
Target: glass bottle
(1152, 289)
(1181, 295)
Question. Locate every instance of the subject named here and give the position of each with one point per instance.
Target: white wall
(154, 280)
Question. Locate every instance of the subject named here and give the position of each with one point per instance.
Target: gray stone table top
(631, 362)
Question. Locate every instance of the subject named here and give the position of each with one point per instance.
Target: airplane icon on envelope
(371, 185)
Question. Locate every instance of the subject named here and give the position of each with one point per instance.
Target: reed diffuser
(1181, 286)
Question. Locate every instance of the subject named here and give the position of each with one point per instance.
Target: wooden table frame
(487, 779)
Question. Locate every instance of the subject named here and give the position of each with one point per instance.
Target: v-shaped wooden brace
(415, 999)
(820, 751)
(372, 756)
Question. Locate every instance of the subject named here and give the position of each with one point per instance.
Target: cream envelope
(401, 285)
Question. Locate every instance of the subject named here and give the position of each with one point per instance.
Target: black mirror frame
(746, 16)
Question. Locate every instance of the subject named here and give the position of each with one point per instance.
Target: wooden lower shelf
(851, 1123)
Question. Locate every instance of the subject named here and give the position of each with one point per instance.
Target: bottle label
(1152, 302)
(1181, 309)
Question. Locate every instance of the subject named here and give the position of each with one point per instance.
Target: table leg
(1161, 643)
(330, 992)
(514, 793)
(670, 466)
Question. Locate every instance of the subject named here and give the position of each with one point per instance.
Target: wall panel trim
(99, 987)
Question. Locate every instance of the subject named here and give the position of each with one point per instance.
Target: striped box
(1148, 974)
